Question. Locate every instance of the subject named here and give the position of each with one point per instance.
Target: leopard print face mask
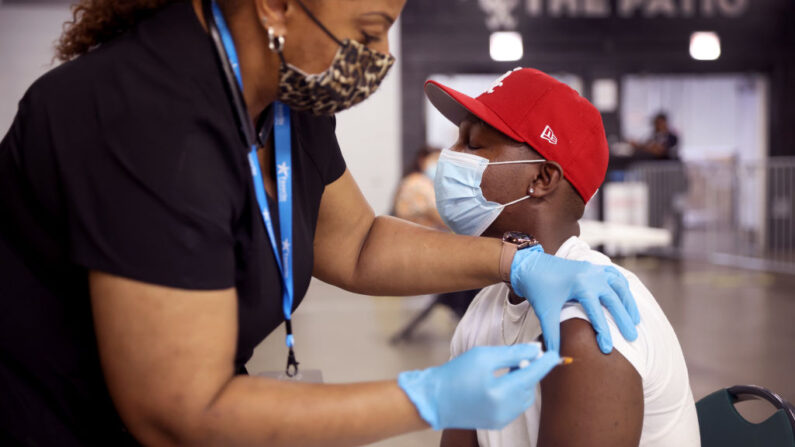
(355, 73)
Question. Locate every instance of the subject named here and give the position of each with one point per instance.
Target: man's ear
(273, 14)
(547, 179)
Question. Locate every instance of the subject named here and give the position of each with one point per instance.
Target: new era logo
(548, 135)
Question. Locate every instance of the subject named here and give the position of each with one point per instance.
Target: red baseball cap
(532, 107)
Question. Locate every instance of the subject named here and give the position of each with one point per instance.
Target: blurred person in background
(153, 235)
(415, 199)
(668, 183)
(662, 144)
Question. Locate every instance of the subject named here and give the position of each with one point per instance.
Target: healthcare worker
(152, 235)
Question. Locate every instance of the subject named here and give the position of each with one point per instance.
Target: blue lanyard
(284, 189)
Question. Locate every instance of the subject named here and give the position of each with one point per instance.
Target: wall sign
(504, 14)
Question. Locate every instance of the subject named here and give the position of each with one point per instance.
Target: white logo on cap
(498, 82)
(548, 135)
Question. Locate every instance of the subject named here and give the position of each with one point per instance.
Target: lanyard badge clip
(291, 370)
(292, 364)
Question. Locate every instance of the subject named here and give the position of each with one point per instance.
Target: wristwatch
(511, 242)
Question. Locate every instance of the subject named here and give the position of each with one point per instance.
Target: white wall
(369, 134)
(27, 37)
(716, 116)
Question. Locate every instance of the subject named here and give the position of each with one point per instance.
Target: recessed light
(704, 46)
(506, 46)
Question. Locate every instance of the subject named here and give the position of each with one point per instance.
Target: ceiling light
(506, 46)
(704, 46)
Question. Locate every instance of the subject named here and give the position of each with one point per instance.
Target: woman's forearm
(400, 258)
(168, 359)
(357, 251)
(259, 411)
(253, 410)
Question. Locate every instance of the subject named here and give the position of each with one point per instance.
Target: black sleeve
(319, 139)
(150, 192)
(673, 146)
(336, 163)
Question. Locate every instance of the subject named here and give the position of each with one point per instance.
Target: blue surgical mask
(459, 198)
(430, 170)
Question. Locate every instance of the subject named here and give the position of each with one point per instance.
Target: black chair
(721, 425)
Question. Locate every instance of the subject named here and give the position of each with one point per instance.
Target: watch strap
(506, 258)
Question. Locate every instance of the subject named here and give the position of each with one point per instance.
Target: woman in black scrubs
(137, 270)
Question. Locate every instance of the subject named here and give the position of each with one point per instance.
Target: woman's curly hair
(95, 22)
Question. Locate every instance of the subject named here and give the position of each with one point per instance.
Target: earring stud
(531, 191)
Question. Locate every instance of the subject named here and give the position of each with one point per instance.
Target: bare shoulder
(597, 400)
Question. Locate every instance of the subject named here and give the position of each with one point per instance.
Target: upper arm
(165, 352)
(344, 220)
(596, 400)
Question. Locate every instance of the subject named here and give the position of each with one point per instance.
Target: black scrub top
(128, 161)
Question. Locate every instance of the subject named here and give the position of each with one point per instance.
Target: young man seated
(555, 144)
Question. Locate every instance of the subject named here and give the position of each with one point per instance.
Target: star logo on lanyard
(283, 169)
(285, 245)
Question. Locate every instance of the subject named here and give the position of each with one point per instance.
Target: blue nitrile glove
(464, 392)
(548, 282)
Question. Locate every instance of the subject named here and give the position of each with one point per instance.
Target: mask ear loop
(531, 191)
(504, 205)
(317, 22)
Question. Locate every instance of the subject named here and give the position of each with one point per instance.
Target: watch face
(521, 239)
(515, 237)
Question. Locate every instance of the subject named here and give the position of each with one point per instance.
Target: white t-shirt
(669, 416)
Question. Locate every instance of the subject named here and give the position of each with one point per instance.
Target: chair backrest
(721, 425)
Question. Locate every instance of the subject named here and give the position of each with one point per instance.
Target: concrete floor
(735, 326)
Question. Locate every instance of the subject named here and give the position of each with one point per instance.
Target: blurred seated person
(532, 156)
(663, 144)
(415, 200)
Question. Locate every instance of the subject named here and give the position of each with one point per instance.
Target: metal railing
(733, 212)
